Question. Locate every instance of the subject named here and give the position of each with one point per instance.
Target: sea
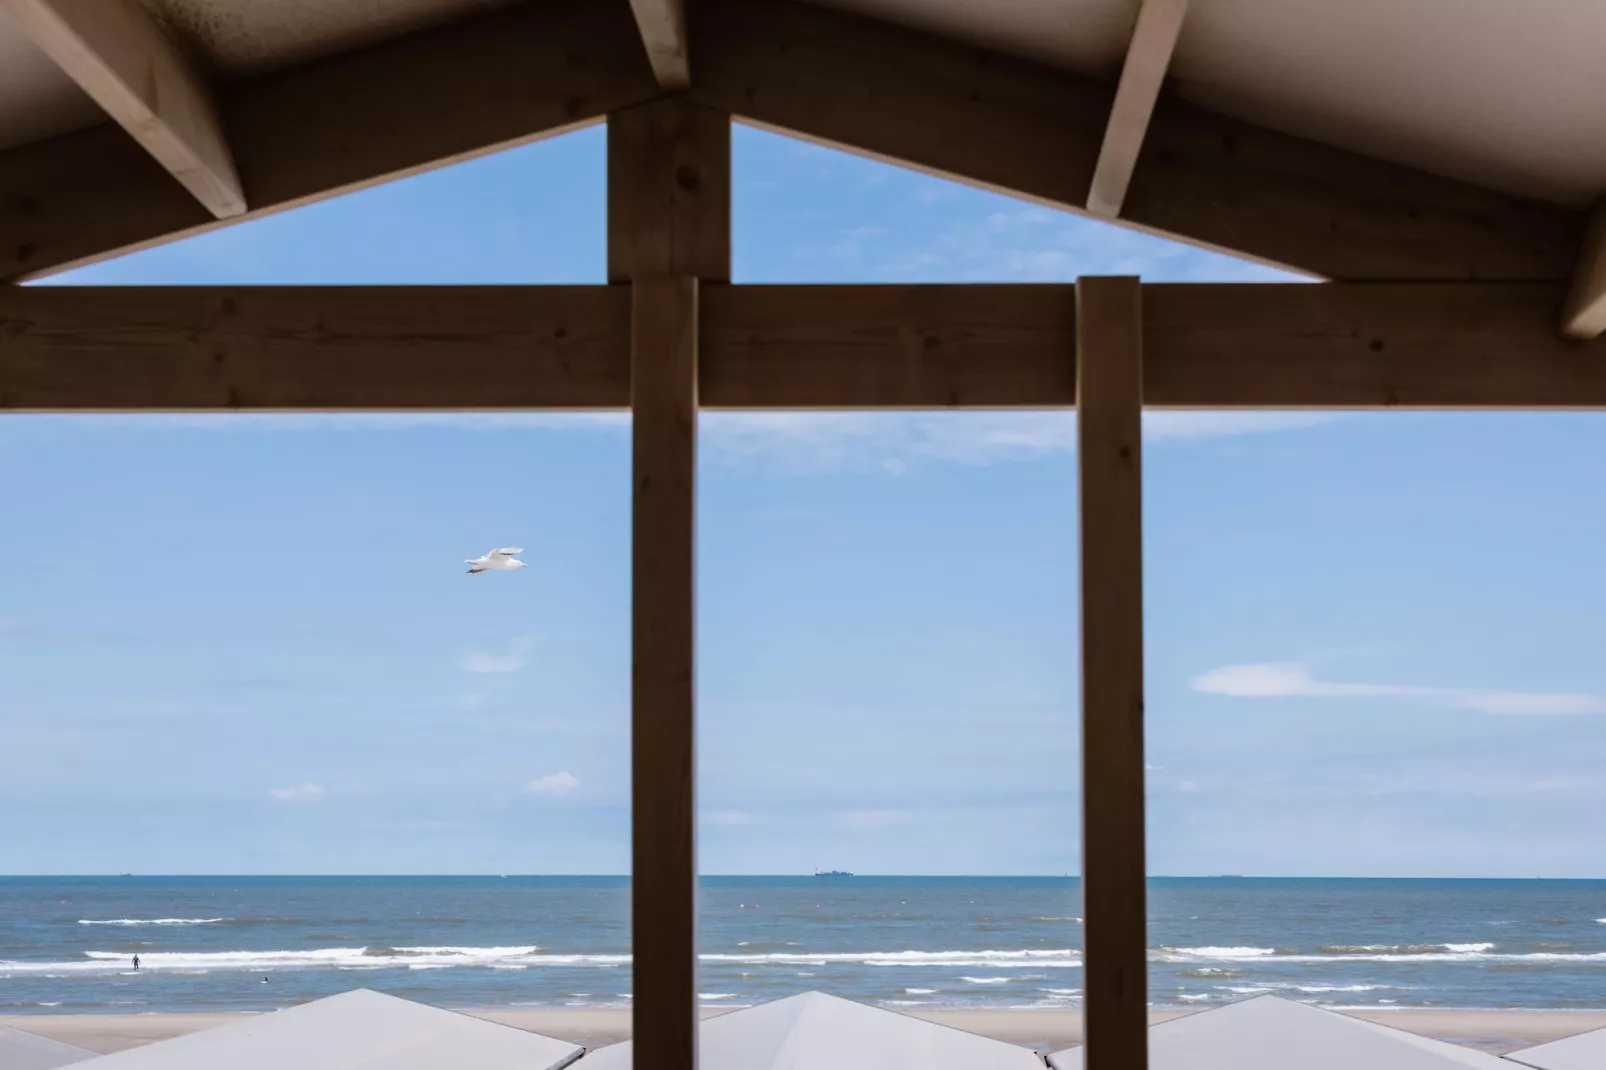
(67, 944)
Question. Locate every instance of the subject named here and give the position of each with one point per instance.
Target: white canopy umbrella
(357, 1030)
(25, 1051)
(1271, 1033)
(1586, 1051)
(815, 1031)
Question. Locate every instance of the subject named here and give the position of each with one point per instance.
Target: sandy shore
(1490, 1030)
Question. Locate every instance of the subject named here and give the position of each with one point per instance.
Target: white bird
(499, 560)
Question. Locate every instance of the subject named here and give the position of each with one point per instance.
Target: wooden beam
(126, 64)
(669, 192)
(1148, 56)
(1018, 127)
(663, 31)
(1207, 346)
(548, 66)
(1585, 315)
(1365, 346)
(199, 349)
(428, 99)
(888, 347)
(669, 224)
(1109, 449)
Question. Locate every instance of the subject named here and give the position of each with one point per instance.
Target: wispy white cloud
(790, 442)
(817, 442)
(1028, 243)
(553, 785)
(728, 818)
(516, 658)
(298, 793)
(863, 820)
(1286, 680)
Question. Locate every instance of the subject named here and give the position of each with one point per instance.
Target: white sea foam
(987, 980)
(716, 995)
(1220, 952)
(151, 921)
(984, 964)
(1199, 998)
(1482, 952)
(920, 991)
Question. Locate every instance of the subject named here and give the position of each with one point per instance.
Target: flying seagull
(500, 560)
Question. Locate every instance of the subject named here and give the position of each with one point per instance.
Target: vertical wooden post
(1109, 403)
(668, 226)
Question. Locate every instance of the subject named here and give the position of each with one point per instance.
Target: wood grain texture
(888, 347)
(669, 191)
(1006, 124)
(1109, 451)
(1207, 346)
(668, 223)
(431, 98)
(1585, 314)
(1148, 57)
(663, 677)
(1365, 346)
(663, 33)
(126, 64)
(174, 349)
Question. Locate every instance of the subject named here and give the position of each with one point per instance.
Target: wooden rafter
(551, 65)
(1206, 346)
(1585, 314)
(1148, 56)
(421, 101)
(1018, 127)
(127, 65)
(663, 32)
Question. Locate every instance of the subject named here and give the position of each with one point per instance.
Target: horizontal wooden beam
(420, 101)
(126, 64)
(1365, 346)
(1206, 346)
(1148, 56)
(1022, 128)
(199, 349)
(888, 347)
(1585, 314)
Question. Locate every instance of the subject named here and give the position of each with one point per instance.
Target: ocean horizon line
(192, 875)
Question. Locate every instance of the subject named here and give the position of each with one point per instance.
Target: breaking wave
(152, 921)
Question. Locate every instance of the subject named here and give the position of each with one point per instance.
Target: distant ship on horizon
(832, 873)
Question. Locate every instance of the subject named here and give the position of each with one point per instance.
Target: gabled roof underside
(1375, 139)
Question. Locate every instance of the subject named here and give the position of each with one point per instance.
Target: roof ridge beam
(1148, 57)
(118, 55)
(663, 30)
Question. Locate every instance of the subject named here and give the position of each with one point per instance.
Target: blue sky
(247, 644)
